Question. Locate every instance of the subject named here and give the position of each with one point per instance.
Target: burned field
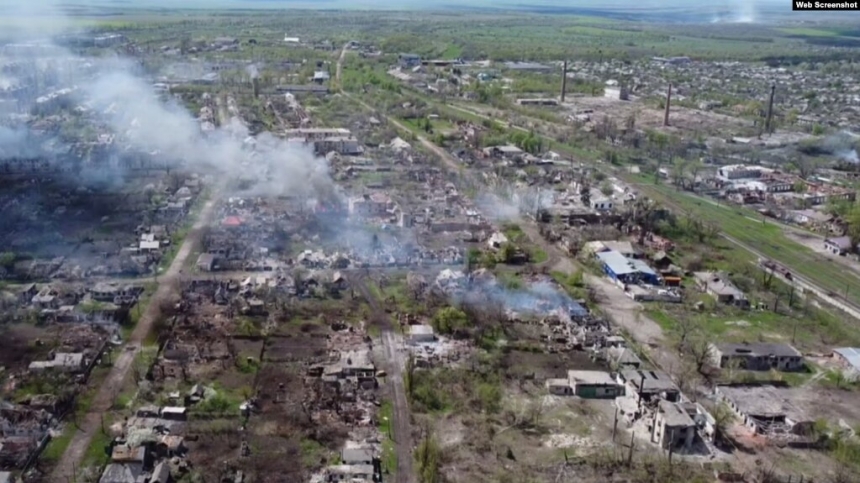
(55, 228)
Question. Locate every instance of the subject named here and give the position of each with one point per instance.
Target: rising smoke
(508, 203)
(738, 11)
(123, 99)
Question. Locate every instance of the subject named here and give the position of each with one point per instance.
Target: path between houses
(168, 286)
(395, 362)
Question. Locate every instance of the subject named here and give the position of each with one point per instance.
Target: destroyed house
(357, 456)
(839, 245)
(848, 357)
(408, 61)
(105, 292)
(354, 363)
(767, 409)
(672, 427)
(721, 288)
(120, 473)
(350, 473)
(376, 204)
(650, 384)
(24, 424)
(346, 145)
(316, 134)
(758, 356)
(622, 358)
(506, 152)
(62, 362)
(16, 450)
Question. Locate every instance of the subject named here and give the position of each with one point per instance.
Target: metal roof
(850, 354)
(621, 265)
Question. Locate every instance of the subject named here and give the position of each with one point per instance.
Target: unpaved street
(392, 344)
(168, 287)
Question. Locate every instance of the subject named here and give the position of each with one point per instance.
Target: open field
(769, 239)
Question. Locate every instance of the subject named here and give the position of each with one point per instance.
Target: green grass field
(768, 239)
(808, 32)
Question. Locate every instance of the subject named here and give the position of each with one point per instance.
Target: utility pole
(615, 425)
(668, 104)
(563, 81)
(768, 120)
(630, 453)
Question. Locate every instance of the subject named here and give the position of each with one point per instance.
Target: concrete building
(672, 428)
(505, 152)
(721, 288)
(738, 171)
(357, 456)
(349, 473)
(376, 204)
(622, 358)
(321, 77)
(316, 134)
(849, 357)
(650, 384)
(345, 145)
(594, 385)
(408, 61)
(617, 93)
(599, 202)
(62, 362)
(528, 66)
(839, 245)
(538, 102)
(421, 334)
(764, 408)
(758, 356)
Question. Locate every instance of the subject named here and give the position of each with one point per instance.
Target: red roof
(232, 221)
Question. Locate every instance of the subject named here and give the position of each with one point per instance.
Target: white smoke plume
(509, 203)
(141, 120)
(739, 11)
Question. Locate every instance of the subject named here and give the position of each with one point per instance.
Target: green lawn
(813, 332)
(808, 31)
(386, 420)
(452, 52)
(768, 239)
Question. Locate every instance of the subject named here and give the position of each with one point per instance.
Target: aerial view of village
(248, 241)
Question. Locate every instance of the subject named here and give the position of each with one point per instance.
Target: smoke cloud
(739, 11)
(538, 296)
(118, 100)
(508, 203)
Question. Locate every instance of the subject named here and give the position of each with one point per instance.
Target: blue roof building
(627, 270)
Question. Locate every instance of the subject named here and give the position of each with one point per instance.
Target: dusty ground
(649, 117)
(629, 315)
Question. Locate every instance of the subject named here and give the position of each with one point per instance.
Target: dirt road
(395, 362)
(168, 287)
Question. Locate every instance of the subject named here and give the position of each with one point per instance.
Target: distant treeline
(833, 41)
(795, 59)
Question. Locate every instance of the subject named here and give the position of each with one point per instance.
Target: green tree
(507, 253)
(449, 319)
(7, 259)
(853, 220)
